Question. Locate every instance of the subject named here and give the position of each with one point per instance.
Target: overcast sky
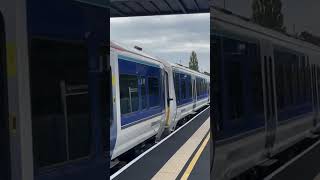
(171, 37)
(304, 14)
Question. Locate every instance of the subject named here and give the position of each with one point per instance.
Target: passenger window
(129, 98)
(189, 87)
(154, 98)
(198, 86)
(143, 93)
(235, 91)
(183, 86)
(60, 103)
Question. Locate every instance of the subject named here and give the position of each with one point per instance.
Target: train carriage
(50, 126)
(150, 96)
(267, 91)
(191, 90)
(138, 91)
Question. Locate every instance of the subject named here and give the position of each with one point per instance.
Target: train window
(57, 109)
(153, 87)
(183, 86)
(189, 87)
(235, 91)
(176, 78)
(198, 86)
(308, 77)
(143, 93)
(167, 90)
(280, 80)
(234, 47)
(256, 78)
(129, 100)
(202, 86)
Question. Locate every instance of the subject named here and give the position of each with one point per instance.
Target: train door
(4, 125)
(165, 124)
(315, 93)
(241, 87)
(270, 104)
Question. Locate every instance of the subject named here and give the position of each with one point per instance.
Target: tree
(193, 63)
(268, 14)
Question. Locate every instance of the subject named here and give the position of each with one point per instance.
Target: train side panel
(139, 100)
(290, 94)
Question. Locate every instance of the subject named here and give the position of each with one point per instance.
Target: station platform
(184, 154)
(305, 166)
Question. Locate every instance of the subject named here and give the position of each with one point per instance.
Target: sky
(170, 37)
(299, 15)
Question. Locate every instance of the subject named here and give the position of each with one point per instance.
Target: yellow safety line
(195, 158)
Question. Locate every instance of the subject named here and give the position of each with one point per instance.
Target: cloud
(171, 37)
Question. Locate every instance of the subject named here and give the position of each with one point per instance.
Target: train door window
(256, 79)
(143, 91)
(176, 78)
(183, 86)
(189, 87)
(129, 98)
(60, 101)
(153, 87)
(4, 127)
(280, 81)
(167, 90)
(235, 90)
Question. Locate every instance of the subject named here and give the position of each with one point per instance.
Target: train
(149, 97)
(51, 125)
(267, 93)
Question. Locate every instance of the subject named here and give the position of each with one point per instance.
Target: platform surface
(184, 155)
(305, 166)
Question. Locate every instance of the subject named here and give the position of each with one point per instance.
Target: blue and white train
(268, 93)
(149, 96)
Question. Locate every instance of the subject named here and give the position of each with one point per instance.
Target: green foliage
(193, 63)
(268, 14)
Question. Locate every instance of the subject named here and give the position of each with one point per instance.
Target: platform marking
(195, 158)
(269, 177)
(153, 147)
(172, 168)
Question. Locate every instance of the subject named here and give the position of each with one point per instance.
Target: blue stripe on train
(132, 66)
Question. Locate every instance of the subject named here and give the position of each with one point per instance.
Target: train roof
(179, 66)
(122, 47)
(225, 16)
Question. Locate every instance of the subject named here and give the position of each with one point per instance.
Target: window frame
(142, 69)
